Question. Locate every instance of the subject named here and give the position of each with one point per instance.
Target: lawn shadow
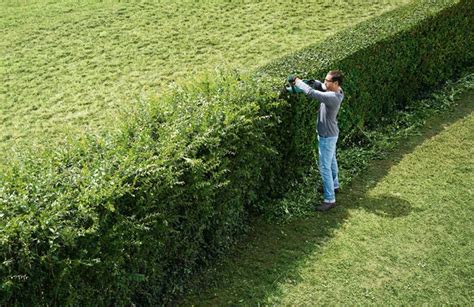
(270, 253)
(386, 206)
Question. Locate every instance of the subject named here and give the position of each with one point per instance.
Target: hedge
(127, 218)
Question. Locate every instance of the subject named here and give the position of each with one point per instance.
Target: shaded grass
(71, 65)
(402, 234)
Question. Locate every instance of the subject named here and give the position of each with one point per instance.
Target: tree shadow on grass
(270, 254)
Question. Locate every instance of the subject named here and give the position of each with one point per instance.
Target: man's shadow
(387, 206)
(272, 253)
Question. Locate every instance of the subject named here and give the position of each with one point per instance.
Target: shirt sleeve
(328, 98)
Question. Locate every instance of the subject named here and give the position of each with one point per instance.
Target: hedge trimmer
(292, 89)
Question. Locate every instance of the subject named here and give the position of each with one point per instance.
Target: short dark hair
(337, 75)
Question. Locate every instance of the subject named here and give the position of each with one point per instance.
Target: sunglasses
(328, 80)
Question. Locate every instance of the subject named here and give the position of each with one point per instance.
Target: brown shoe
(325, 206)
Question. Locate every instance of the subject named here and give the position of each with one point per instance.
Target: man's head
(333, 80)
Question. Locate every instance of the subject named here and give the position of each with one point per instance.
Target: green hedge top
(323, 56)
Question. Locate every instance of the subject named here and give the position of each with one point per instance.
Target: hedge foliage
(127, 218)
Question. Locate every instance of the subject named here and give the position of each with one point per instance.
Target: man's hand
(292, 79)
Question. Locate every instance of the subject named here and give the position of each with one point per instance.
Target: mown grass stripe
(71, 65)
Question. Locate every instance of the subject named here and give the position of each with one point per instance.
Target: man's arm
(328, 98)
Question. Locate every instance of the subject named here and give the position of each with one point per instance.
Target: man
(328, 132)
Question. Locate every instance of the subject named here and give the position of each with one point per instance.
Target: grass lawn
(402, 234)
(73, 64)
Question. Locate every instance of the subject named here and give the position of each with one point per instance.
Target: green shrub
(127, 218)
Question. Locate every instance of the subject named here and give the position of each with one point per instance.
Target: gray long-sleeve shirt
(330, 102)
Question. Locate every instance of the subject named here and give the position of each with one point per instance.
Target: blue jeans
(328, 166)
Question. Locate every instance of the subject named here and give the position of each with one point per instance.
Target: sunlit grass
(407, 240)
(74, 64)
